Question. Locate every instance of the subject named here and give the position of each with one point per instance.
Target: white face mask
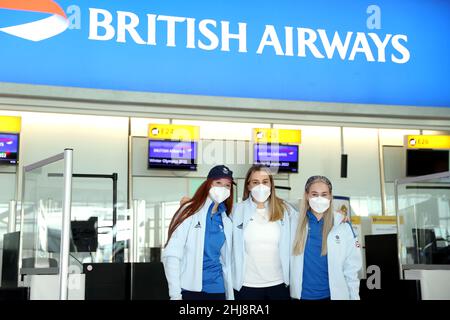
(260, 193)
(319, 204)
(219, 194)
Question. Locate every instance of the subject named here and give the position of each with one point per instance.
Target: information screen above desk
(9, 148)
(422, 162)
(281, 157)
(172, 155)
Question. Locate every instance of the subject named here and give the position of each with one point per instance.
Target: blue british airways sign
(383, 52)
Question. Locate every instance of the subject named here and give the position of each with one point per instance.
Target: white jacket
(344, 261)
(183, 256)
(242, 213)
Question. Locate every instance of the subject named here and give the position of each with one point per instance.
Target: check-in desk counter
(101, 281)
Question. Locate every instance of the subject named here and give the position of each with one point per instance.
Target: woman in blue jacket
(197, 254)
(261, 240)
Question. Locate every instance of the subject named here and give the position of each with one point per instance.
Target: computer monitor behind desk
(425, 245)
(84, 237)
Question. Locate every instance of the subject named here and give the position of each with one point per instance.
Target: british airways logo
(55, 23)
(152, 29)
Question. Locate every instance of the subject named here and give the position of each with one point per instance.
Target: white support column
(12, 216)
(134, 241)
(65, 230)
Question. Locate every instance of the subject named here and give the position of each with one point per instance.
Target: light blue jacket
(344, 261)
(242, 213)
(183, 256)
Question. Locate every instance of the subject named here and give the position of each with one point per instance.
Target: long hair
(300, 236)
(276, 205)
(194, 205)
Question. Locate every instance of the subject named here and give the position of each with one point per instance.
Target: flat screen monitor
(424, 245)
(9, 148)
(280, 157)
(172, 155)
(422, 162)
(84, 237)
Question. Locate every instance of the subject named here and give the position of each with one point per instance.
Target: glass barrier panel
(158, 199)
(424, 210)
(42, 218)
(7, 193)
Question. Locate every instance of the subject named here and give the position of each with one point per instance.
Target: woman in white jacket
(261, 240)
(197, 254)
(326, 254)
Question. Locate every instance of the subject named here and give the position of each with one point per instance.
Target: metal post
(65, 230)
(399, 253)
(163, 223)
(381, 172)
(134, 245)
(12, 216)
(131, 244)
(114, 179)
(140, 213)
(22, 218)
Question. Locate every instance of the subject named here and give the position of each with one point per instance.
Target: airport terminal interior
(113, 113)
(121, 206)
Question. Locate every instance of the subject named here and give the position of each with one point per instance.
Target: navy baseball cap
(219, 172)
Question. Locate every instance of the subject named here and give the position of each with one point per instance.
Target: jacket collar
(208, 203)
(228, 228)
(220, 209)
(254, 204)
(203, 212)
(312, 217)
(337, 218)
(250, 206)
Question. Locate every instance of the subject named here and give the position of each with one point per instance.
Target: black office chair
(425, 245)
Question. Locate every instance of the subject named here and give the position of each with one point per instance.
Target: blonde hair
(300, 236)
(276, 205)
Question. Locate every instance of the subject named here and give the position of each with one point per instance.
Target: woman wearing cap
(261, 240)
(197, 254)
(326, 255)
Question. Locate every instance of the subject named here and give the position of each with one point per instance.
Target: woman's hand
(346, 218)
(184, 200)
